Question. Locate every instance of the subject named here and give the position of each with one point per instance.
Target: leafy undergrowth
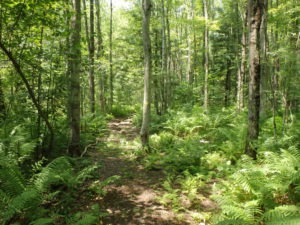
(209, 176)
(58, 191)
(53, 195)
(206, 175)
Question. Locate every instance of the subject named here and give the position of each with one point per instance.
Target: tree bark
(242, 68)
(87, 33)
(164, 59)
(190, 29)
(92, 59)
(111, 78)
(74, 67)
(255, 17)
(99, 54)
(206, 54)
(227, 84)
(147, 72)
(2, 103)
(264, 61)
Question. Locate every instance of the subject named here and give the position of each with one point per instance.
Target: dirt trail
(132, 199)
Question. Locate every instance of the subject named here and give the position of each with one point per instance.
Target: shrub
(266, 191)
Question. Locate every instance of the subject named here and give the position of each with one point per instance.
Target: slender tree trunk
(168, 58)
(2, 103)
(242, 68)
(99, 55)
(39, 96)
(111, 78)
(274, 78)
(147, 72)
(86, 26)
(74, 66)
(156, 74)
(255, 17)
(264, 61)
(163, 58)
(206, 54)
(92, 58)
(228, 84)
(190, 33)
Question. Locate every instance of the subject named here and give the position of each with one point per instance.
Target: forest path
(131, 199)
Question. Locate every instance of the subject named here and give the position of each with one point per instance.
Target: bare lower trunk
(74, 73)
(99, 54)
(110, 59)
(255, 15)
(147, 72)
(206, 55)
(242, 69)
(2, 104)
(92, 59)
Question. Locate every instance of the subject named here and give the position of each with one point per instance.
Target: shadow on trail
(131, 200)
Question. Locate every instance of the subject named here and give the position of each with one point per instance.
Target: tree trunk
(242, 68)
(111, 79)
(255, 17)
(92, 59)
(2, 103)
(228, 84)
(206, 55)
(147, 72)
(264, 61)
(99, 55)
(156, 62)
(74, 66)
(164, 58)
(87, 33)
(190, 29)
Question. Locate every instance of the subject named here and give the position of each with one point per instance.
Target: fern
(57, 172)
(11, 180)
(286, 221)
(282, 213)
(86, 218)
(260, 186)
(21, 197)
(43, 221)
(27, 200)
(232, 222)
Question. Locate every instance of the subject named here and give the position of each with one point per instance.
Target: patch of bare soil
(132, 199)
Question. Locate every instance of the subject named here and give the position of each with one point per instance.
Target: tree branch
(29, 89)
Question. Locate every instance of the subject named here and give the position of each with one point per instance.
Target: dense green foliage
(201, 150)
(198, 150)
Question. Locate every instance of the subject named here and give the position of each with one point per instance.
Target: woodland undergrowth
(203, 155)
(38, 190)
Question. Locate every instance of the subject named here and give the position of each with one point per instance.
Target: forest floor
(132, 199)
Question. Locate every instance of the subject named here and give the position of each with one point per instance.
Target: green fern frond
(29, 199)
(86, 173)
(286, 221)
(282, 212)
(43, 221)
(83, 218)
(59, 171)
(250, 180)
(232, 222)
(11, 180)
(87, 219)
